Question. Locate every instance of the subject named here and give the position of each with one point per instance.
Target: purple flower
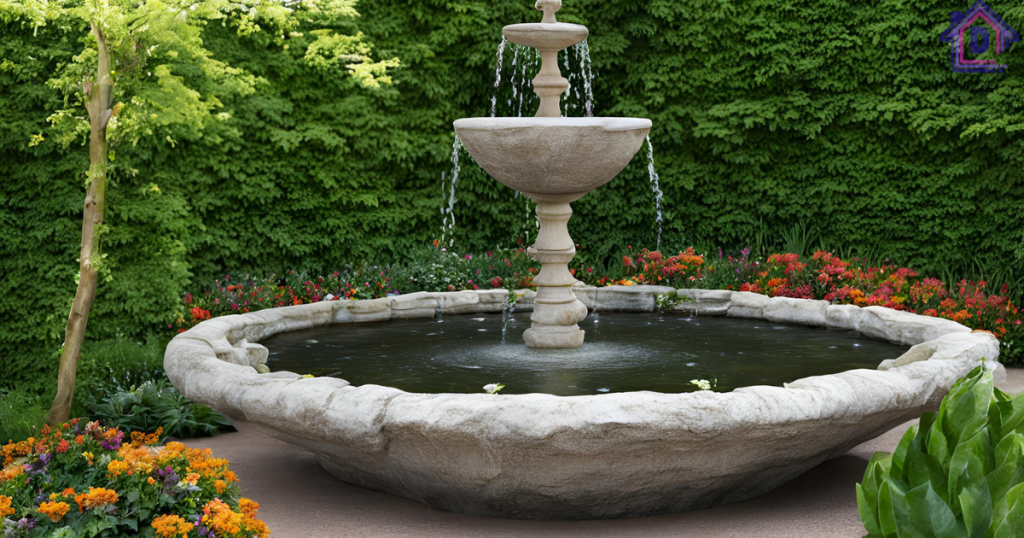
(113, 444)
(27, 523)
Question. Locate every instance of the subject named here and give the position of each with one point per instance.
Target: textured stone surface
(705, 302)
(747, 305)
(543, 456)
(799, 311)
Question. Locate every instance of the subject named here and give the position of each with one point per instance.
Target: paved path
(300, 500)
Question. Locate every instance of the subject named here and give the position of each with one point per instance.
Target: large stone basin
(552, 156)
(602, 456)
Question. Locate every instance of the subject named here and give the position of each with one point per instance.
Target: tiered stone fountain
(545, 456)
(555, 161)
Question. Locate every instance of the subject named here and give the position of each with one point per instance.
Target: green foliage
(843, 123)
(22, 414)
(156, 404)
(958, 474)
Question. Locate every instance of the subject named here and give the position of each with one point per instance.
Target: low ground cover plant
(958, 474)
(84, 480)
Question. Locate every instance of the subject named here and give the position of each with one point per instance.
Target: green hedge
(840, 119)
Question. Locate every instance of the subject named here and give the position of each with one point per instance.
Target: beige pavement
(300, 500)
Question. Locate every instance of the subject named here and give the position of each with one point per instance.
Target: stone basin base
(538, 456)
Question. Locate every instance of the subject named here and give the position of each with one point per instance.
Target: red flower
(199, 314)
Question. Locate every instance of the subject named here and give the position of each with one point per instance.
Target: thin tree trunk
(99, 107)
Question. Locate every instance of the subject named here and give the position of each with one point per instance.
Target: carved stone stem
(556, 310)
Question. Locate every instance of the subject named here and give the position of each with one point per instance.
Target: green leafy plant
(705, 384)
(21, 414)
(156, 404)
(668, 301)
(958, 474)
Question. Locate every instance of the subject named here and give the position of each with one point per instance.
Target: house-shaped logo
(961, 34)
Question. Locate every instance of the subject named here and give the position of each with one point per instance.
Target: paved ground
(300, 500)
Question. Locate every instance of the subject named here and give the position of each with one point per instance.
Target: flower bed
(84, 480)
(823, 276)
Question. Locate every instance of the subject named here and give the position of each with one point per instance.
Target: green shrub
(156, 404)
(959, 473)
(22, 414)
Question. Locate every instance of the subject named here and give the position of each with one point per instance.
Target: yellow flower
(117, 467)
(96, 498)
(54, 511)
(5, 506)
(170, 526)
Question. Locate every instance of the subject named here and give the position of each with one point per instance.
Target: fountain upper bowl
(545, 36)
(554, 159)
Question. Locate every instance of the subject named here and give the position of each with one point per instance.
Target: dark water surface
(623, 352)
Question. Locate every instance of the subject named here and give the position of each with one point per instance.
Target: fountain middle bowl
(564, 157)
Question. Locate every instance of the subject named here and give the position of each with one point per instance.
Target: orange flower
(219, 517)
(96, 498)
(220, 485)
(68, 492)
(116, 468)
(150, 481)
(10, 472)
(54, 511)
(171, 525)
(5, 506)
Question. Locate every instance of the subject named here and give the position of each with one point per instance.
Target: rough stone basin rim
(552, 155)
(540, 456)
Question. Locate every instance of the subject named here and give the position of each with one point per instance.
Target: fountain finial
(549, 7)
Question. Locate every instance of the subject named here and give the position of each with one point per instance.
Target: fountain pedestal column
(556, 310)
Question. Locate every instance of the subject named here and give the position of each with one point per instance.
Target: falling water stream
(497, 75)
(655, 188)
(448, 196)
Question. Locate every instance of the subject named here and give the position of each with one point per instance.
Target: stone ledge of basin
(950, 347)
(374, 435)
(800, 311)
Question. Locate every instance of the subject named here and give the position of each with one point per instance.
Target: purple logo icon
(961, 34)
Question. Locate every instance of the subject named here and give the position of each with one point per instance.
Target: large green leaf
(1010, 524)
(924, 469)
(868, 513)
(900, 454)
(926, 515)
(887, 507)
(976, 504)
(1010, 471)
(966, 406)
(1012, 414)
(972, 461)
(938, 445)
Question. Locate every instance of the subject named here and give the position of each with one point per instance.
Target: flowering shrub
(823, 276)
(84, 480)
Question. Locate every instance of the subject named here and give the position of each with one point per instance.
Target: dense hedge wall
(841, 119)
